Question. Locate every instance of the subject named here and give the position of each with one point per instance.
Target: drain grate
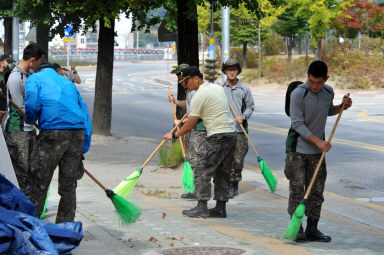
(202, 250)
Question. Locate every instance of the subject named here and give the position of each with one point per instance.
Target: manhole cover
(202, 250)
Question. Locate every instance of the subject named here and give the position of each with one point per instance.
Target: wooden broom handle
(174, 115)
(323, 154)
(241, 125)
(95, 180)
(162, 142)
(242, 128)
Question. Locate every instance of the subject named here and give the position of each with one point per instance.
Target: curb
(168, 83)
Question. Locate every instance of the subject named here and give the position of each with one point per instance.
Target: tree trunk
(318, 50)
(42, 31)
(8, 36)
(102, 108)
(290, 47)
(299, 41)
(259, 39)
(306, 48)
(187, 44)
(245, 46)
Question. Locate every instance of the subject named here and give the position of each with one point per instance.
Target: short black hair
(318, 69)
(56, 66)
(33, 50)
(43, 65)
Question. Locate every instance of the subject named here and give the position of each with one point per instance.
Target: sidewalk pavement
(256, 218)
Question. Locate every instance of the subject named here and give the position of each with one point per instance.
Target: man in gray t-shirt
(19, 135)
(240, 97)
(310, 105)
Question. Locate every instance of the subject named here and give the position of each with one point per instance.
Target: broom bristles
(42, 215)
(128, 212)
(268, 175)
(296, 221)
(188, 183)
(126, 187)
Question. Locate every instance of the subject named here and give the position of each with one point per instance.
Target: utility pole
(15, 36)
(210, 71)
(259, 37)
(137, 44)
(225, 37)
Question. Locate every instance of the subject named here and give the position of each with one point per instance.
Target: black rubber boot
(235, 188)
(301, 237)
(313, 234)
(188, 196)
(219, 210)
(200, 211)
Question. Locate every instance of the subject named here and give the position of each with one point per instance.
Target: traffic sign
(173, 48)
(68, 31)
(67, 39)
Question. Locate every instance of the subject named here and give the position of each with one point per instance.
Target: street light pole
(15, 36)
(225, 37)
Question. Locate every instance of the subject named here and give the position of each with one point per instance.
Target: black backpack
(290, 88)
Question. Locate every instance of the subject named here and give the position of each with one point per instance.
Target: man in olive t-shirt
(216, 152)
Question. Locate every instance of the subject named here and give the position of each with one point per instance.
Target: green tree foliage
(290, 26)
(320, 15)
(364, 17)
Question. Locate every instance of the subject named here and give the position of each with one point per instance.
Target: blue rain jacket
(56, 103)
(23, 234)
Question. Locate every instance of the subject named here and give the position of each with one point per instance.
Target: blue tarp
(23, 234)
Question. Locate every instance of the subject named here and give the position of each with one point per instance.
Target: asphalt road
(355, 164)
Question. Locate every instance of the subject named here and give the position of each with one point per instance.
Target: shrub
(353, 66)
(170, 156)
(273, 45)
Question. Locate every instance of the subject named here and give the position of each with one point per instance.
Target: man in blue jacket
(65, 135)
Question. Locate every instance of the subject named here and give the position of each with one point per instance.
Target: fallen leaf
(172, 243)
(132, 246)
(153, 239)
(164, 215)
(180, 238)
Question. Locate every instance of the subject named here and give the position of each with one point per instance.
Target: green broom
(128, 212)
(297, 217)
(126, 187)
(267, 173)
(188, 184)
(45, 205)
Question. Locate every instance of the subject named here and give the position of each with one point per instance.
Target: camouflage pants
(215, 161)
(299, 169)
(241, 149)
(54, 148)
(20, 145)
(195, 139)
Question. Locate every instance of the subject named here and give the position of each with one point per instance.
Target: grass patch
(63, 62)
(170, 156)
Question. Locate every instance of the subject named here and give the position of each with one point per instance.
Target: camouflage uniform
(20, 145)
(54, 148)
(241, 149)
(299, 169)
(195, 140)
(215, 159)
